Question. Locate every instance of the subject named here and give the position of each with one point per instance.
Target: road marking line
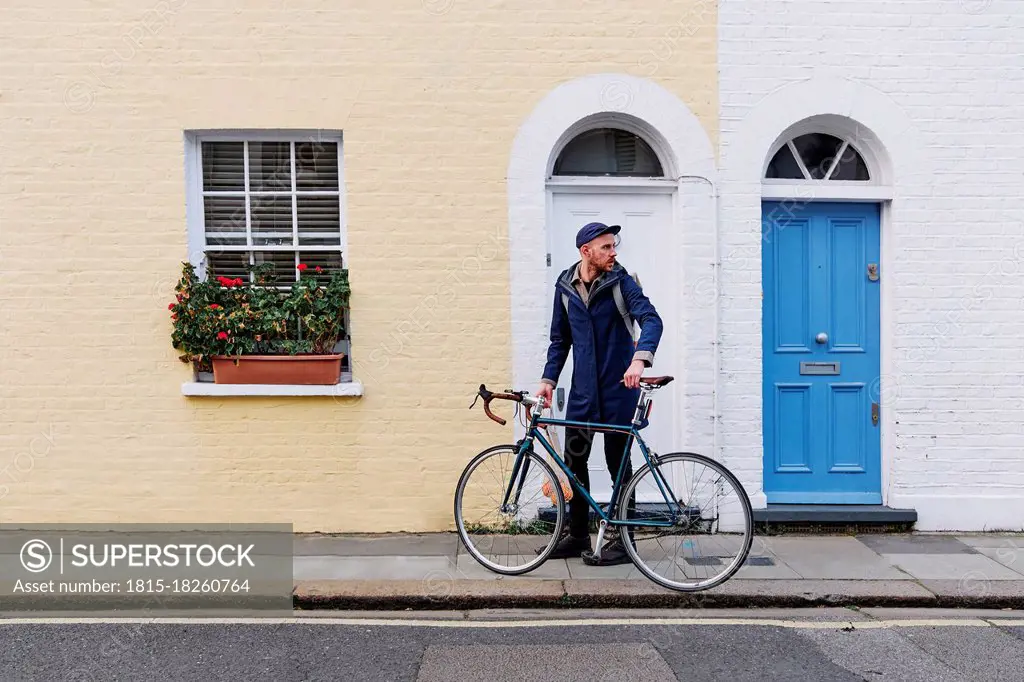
(428, 623)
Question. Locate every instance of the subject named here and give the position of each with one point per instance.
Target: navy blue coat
(602, 347)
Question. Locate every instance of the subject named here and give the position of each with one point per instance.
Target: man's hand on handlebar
(544, 391)
(517, 396)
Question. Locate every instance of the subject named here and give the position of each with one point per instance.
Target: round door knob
(822, 337)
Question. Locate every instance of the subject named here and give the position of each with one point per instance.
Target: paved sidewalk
(434, 571)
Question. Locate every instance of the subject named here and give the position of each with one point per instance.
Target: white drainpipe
(716, 268)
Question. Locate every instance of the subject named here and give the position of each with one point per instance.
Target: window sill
(207, 388)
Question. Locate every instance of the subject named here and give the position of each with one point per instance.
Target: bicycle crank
(601, 530)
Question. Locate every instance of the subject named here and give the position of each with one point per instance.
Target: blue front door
(820, 317)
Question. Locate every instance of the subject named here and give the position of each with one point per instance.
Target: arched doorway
(609, 170)
(686, 179)
(821, 316)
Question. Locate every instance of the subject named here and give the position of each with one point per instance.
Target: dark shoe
(612, 554)
(569, 547)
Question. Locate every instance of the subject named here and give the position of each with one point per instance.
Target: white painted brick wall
(954, 303)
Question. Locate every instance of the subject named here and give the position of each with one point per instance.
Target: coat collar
(569, 277)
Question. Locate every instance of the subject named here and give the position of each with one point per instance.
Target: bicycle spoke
(509, 540)
(696, 551)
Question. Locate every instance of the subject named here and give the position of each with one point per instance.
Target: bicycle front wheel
(689, 522)
(509, 510)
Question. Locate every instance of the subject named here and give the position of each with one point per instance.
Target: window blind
(271, 202)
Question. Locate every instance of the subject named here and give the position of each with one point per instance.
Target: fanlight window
(608, 152)
(818, 156)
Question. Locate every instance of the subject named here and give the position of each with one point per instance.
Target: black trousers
(576, 454)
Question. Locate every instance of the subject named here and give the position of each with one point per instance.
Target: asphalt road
(817, 644)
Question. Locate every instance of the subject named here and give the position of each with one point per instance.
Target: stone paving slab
(777, 570)
(949, 566)
(369, 567)
(580, 570)
(469, 568)
(915, 544)
(1013, 559)
(1009, 540)
(832, 558)
(391, 544)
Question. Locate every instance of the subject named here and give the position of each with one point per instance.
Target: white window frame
(194, 181)
(196, 232)
(878, 188)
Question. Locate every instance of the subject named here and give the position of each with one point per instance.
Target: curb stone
(539, 593)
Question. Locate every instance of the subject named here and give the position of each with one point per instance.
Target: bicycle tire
(535, 459)
(626, 529)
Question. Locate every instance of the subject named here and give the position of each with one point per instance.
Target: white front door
(645, 251)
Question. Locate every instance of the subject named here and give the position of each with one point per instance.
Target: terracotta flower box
(277, 369)
(268, 328)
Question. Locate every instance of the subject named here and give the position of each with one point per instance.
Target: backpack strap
(627, 319)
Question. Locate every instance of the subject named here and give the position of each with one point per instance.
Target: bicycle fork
(522, 462)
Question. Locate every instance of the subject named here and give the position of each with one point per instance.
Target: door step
(832, 519)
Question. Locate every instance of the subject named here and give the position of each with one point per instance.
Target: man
(607, 366)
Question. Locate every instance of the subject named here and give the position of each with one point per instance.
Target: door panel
(793, 286)
(821, 325)
(645, 220)
(793, 407)
(846, 284)
(847, 448)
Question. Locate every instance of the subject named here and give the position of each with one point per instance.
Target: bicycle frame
(534, 433)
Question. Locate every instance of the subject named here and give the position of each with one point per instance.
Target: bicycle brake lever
(482, 392)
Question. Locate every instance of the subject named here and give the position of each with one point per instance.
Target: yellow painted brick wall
(430, 93)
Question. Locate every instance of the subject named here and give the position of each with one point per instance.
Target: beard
(601, 266)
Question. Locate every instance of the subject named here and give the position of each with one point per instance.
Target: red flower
(170, 306)
(319, 269)
(238, 281)
(302, 267)
(222, 335)
(214, 306)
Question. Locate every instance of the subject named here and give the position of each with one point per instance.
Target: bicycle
(659, 511)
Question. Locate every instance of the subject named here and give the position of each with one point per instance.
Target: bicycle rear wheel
(705, 532)
(514, 537)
